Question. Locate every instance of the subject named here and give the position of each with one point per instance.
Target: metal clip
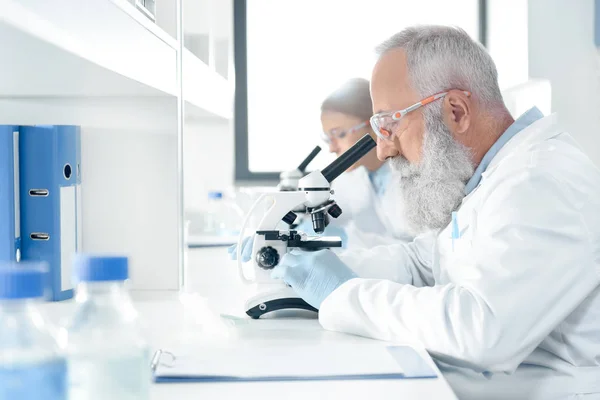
(157, 359)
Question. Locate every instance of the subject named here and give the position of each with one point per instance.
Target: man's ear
(457, 112)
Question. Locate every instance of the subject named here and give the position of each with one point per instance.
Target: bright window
(300, 51)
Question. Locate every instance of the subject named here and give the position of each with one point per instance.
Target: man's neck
(487, 133)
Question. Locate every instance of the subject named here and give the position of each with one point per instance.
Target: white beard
(435, 187)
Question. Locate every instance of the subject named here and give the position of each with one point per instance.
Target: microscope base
(274, 299)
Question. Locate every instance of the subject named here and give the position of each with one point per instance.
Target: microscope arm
(282, 203)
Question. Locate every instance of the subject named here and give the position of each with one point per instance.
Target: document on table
(278, 363)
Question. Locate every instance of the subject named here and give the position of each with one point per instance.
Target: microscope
(270, 245)
(288, 180)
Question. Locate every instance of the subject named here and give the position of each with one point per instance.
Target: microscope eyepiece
(349, 157)
(308, 159)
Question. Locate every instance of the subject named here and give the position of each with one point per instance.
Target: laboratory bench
(210, 315)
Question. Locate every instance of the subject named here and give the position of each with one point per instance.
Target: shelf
(205, 90)
(94, 50)
(83, 48)
(150, 114)
(200, 241)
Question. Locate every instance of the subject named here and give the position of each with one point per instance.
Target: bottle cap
(90, 268)
(22, 280)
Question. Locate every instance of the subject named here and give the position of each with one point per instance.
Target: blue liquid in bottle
(31, 364)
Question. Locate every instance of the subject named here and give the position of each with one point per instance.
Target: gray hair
(352, 98)
(441, 58)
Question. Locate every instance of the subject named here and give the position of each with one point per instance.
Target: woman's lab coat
(369, 218)
(509, 307)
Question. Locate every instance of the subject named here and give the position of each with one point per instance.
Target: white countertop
(174, 322)
(294, 333)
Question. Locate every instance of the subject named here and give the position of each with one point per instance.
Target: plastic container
(222, 216)
(214, 218)
(31, 364)
(107, 354)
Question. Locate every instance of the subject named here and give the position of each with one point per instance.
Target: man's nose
(385, 149)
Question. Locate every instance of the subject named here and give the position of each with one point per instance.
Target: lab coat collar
(539, 131)
(525, 120)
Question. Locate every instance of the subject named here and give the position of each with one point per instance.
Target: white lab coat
(511, 309)
(369, 219)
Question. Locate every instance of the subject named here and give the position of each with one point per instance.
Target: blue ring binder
(10, 225)
(50, 166)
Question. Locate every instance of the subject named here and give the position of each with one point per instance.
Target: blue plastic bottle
(108, 356)
(214, 223)
(31, 365)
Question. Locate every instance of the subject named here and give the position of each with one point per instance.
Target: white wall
(129, 191)
(507, 40)
(561, 49)
(208, 160)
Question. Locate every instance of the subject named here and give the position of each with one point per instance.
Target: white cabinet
(105, 66)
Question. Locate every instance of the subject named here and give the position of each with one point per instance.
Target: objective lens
(319, 222)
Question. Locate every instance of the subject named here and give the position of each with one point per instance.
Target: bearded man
(502, 286)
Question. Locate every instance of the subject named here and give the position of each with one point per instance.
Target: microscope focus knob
(267, 257)
(335, 211)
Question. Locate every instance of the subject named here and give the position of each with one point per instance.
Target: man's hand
(313, 275)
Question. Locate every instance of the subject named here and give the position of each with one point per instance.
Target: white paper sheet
(282, 362)
(68, 238)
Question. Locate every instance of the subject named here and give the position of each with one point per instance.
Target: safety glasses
(340, 134)
(385, 123)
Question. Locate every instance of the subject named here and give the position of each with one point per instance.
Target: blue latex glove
(247, 244)
(313, 275)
